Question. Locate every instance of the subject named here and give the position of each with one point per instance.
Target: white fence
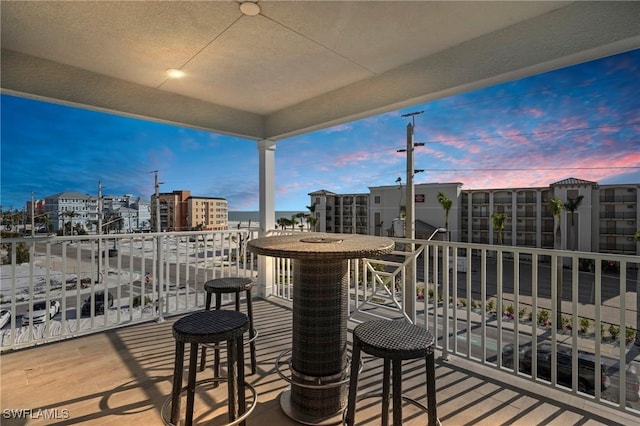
(495, 305)
(144, 277)
(498, 305)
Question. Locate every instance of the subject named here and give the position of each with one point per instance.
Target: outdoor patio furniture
(394, 341)
(206, 327)
(228, 285)
(318, 362)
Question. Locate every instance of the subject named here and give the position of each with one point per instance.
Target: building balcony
(124, 376)
(618, 215)
(117, 366)
(618, 199)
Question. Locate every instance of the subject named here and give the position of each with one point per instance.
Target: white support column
(266, 154)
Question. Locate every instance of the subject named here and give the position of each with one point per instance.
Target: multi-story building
(387, 204)
(134, 213)
(344, 213)
(179, 211)
(604, 220)
(68, 207)
(76, 209)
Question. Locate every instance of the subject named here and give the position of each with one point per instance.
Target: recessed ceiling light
(249, 8)
(175, 73)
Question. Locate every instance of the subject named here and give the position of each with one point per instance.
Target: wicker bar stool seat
(230, 285)
(394, 341)
(210, 327)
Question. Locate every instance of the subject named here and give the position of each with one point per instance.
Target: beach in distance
(254, 216)
(242, 218)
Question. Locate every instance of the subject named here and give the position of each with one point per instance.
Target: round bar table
(319, 364)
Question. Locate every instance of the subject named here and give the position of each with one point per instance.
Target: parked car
(586, 366)
(99, 303)
(39, 312)
(5, 316)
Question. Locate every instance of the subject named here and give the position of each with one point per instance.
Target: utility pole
(99, 232)
(33, 217)
(158, 272)
(409, 293)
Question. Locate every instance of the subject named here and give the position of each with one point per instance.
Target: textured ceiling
(298, 65)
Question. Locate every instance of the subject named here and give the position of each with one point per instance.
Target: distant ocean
(255, 216)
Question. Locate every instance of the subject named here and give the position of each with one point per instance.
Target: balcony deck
(123, 376)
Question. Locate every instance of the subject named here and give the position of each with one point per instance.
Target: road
(610, 288)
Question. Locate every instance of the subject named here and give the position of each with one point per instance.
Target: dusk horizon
(581, 121)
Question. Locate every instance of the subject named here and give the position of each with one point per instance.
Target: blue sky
(582, 121)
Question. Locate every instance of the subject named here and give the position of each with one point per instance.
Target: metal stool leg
(216, 351)
(242, 403)
(431, 389)
(252, 345)
(177, 383)
(191, 385)
(232, 378)
(397, 392)
(203, 357)
(386, 379)
(353, 385)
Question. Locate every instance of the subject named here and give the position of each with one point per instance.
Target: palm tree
(70, 214)
(302, 217)
(283, 222)
(293, 222)
(498, 220)
(556, 210)
(572, 205)
(311, 217)
(446, 204)
(312, 220)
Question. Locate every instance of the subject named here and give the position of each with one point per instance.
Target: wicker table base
(319, 363)
(319, 346)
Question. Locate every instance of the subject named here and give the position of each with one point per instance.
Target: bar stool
(207, 327)
(220, 286)
(394, 341)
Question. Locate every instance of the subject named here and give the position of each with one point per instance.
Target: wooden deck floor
(123, 376)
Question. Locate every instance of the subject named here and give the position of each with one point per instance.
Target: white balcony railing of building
(144, 277)
(482, 302)
(495, 305)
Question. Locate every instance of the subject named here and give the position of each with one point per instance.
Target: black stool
(207, 327)
(394, 341)
(220, 286)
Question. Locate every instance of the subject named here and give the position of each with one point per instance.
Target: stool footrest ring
(247, 413)
(319, 384)
(411, 401)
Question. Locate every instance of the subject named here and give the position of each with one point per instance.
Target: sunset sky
(581, 121)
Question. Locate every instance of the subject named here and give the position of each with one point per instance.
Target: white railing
(144, 276)
(490, 303)
(482, 302)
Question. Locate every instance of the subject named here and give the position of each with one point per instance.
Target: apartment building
(68, 207)
(180, 211)
(344, 213)
(604, 220)
(387, 204)
(76, 209)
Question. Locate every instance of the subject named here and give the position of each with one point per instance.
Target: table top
(318, 245)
